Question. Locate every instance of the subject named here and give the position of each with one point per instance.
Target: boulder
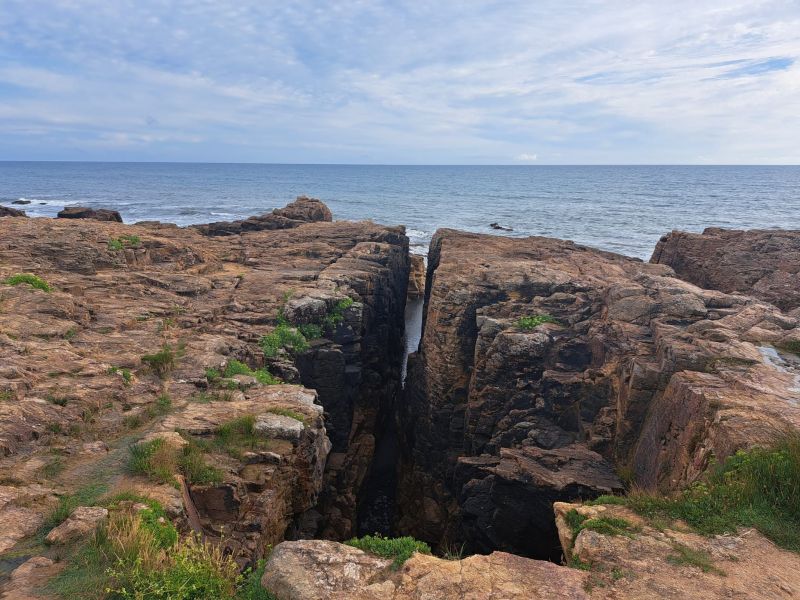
(82, 212)
(305, 209)
(6, 211)
(302, 210)
(764, 263)
(82, 522)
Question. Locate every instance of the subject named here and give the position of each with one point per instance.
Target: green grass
(58, 400)
(6, 395)
(235, 367)
(124, 241)
(605, 525)
(758, 488)
(233, 438)
(125, 373)
(29, 278)
(195, 469)
(311, 331)
(88, 495)
(283, 337)
(250, 587)
(533, 321)
(160, 462)
(683, 555)
(399, 549)
(163, 361)
(336, 316)
(53, 468)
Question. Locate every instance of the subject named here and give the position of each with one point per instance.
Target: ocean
(624, 209)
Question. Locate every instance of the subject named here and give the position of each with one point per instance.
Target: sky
(467, 82)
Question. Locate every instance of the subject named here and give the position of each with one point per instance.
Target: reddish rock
(302, 210)
(760, 263)
(82, 212)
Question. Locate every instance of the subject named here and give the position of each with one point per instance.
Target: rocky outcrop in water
(7, 211)
(547, 369)
(760, 263)
(82, 212)
(302, 210)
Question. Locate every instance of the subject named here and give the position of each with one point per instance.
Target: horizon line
(336, 164)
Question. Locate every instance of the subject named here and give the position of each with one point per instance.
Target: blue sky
(506, 82)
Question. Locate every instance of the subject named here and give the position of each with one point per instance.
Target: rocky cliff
(760, 263)
(258, 351)
(549, 371)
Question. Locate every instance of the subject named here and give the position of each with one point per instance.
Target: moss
(29, 278)
(399, 549)
(683, 555)
(533, 321)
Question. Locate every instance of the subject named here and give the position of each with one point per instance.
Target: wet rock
(6, 211)
(764, 263)
(21, 202)
(500, 227)
(82, 212)
(82, 522)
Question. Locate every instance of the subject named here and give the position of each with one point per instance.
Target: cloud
(527, 157)
(401, 82)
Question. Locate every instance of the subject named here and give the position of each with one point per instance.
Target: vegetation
(233, 438)
(311, 331)
(336, 316)
(160, 462)
(400, 549)
(58, 400)
(235, 367)
(85, 496)
(29, 278)
(683, 555)
(124, 241)
(758, 488)
(163, 361)
(533, 321)
(285, 337)
(792, 346)
(288, 412)
(605, 525)
(125, 373)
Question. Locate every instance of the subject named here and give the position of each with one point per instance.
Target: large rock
(83, 521)
(7, 211)
(82, 212)
(318, 570)
(634, 372)
(302, 210)
(757, 262)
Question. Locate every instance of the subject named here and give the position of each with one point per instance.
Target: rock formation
(7, 211)
(302, 210)
(82, 212)
(546, 369)
(760, 263)
(130, 334)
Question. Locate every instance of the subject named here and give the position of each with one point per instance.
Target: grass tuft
(683, 555)
(283, 337)
(29, 278)
(533, 321)
(163, 361)
(400, 549)
(235, 367)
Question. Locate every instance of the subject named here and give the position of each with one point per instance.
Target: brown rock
(6, 211)
(305, 209)
(760, 263)
(416, 279)
(317, 570)
(83, 521)
(28, 580)
(302, 210)
(82, 212)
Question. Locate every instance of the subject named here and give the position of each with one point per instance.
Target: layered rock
(764, 263)
(545, 367)
(83, 212)
(7, 211)
(302, 210)
(121, 345)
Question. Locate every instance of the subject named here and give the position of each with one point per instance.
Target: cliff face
(135, 337)
(760, 263)
(546, 369)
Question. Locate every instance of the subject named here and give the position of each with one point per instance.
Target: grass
(283, 337)
(605, 525)
(758, 488)
(6, 395)
(311, 331)
(124, 241)
(163, 361)
(29, 278)
(336, 316)
(288, 412)
(53, 468)
(533, 321)
(233, 438)
(85, 496)
(683, 555)
(126, 374)
(57, 399)
(235, 367)
(399, 549)
(159, 461)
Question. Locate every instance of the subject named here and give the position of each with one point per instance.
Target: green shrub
(533, 321)
(400, 549)
(311, 331)
(283, 337)
(163, 361)
(235, 367)
(29, 278)
(336, 316)
(758, 488)
(125, 373)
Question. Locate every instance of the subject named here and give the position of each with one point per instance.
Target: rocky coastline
(247, 378)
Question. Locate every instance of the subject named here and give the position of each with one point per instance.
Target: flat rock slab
(83, 521)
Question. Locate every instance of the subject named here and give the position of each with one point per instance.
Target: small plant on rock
(163, 361)
(533, 321)
(28, 278)
(285, 337)
(400, 549)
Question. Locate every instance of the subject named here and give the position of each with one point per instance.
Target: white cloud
(524, 157)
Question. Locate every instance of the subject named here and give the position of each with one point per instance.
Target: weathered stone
(27, 581)
(82, 212)
(279, 426)
(7, 211)
(416, 279)
(83, 521)
(764, 263)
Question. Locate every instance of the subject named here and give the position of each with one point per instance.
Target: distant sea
(619, 208)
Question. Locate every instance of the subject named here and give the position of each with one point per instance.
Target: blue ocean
(619, 208)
